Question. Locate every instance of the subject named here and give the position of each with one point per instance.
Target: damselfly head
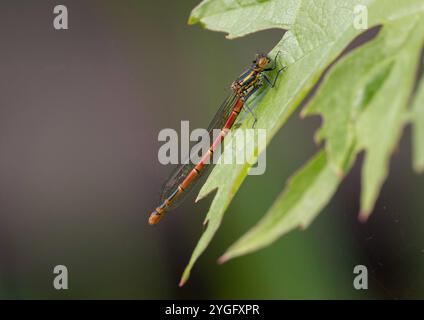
(262, 60)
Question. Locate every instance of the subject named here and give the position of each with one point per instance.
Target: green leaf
(306, 193)
(306, 58)
(418, 128)
(364, 101)
(317, 33)
(380, 125)
(240, 18)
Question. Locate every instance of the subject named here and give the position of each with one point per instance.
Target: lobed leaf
(318, 31)
(371, 111)
(306, 193)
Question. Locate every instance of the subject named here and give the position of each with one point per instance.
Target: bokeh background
(80, 111)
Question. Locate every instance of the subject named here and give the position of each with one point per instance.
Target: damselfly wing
(181, 171)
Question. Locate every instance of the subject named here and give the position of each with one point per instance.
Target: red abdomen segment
(159, 212)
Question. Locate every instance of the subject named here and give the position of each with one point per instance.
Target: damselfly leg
(259, 85)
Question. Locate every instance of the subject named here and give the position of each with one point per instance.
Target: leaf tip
(200, 196)
(303, 226)
(222, 259)
(419, 168)
(185, 276)
(182, 282)
(192, 20)
(339, 172)
(205, 222)
(363, 216)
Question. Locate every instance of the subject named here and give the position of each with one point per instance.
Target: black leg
(272, 84)
(275, 62)
(255, 119)
(245, 98)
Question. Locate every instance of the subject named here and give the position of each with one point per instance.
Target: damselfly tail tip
(154, 218)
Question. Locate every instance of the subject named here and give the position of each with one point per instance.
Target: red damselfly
(185, 176)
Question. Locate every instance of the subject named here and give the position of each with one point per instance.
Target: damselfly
(185, 176)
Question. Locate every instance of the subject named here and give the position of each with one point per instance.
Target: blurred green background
(80, 111)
